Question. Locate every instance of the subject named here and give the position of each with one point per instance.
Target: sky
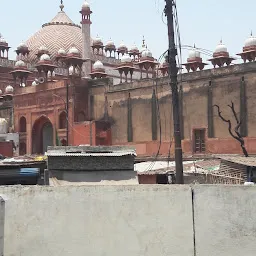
(202, 22)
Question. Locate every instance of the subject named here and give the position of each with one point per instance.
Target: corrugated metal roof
(113, 154)
(209, 165)
(247, 161)
(153, 168)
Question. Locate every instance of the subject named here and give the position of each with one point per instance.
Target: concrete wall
(130, 220)
(98, 177)
(98, 220)
(2, 218)
(225, 220)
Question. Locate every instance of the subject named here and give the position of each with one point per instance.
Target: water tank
(3, 126)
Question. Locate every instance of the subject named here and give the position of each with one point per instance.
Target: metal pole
(67, 108)
(173, 72)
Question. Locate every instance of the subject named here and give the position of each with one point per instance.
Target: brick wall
(225, 85)
(6, 148)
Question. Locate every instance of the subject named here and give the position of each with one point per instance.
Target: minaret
(86, 33)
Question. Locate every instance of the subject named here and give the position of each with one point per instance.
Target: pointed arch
(42, 135)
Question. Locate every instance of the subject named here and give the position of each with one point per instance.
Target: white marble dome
(20, 63)
(45, 57)
(85, 5)
(22, 46)
(97, 41)
(126, 59)
(134, 48)
(251, 41)
(221, 48)
(98, 65)
(73, 50)
(61, 51)
(110, 43)
(9, 89)
(122, 46)
(194, 54)
(2, 40)
(146, 53)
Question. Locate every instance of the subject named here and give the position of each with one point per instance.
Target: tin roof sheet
(247, 161)
(111, 154)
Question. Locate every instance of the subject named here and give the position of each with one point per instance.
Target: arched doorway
(42, 135)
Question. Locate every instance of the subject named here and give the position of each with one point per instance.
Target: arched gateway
(42, 135)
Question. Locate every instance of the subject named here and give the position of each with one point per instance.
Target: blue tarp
(29, 171)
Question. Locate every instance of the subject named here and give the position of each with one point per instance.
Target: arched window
(62, 120)
(23, 124)
(81, 116)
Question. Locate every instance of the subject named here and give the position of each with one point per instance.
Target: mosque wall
(132, 105)
(38, 105)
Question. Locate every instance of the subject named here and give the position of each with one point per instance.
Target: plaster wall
(99, 177)
(129, 220)
(225, 220)
(98, 220)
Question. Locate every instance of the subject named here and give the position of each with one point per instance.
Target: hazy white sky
(203, 22)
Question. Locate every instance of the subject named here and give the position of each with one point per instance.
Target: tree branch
(238, 136)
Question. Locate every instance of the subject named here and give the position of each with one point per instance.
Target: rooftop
(90, 151)
(247, 161)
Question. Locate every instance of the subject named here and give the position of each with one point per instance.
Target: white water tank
(3, 126)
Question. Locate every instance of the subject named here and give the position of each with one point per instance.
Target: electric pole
(173, 73)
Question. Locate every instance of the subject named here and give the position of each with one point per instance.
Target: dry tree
(235, 133)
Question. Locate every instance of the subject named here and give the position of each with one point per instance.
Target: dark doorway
(42, 135)
(47, 136)
(161, 179)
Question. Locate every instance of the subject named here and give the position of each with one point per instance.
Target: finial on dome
(61, 5)
(143, 42)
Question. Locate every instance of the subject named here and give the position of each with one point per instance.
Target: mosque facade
(66, 88)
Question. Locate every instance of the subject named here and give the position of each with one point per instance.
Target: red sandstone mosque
(66, 88)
